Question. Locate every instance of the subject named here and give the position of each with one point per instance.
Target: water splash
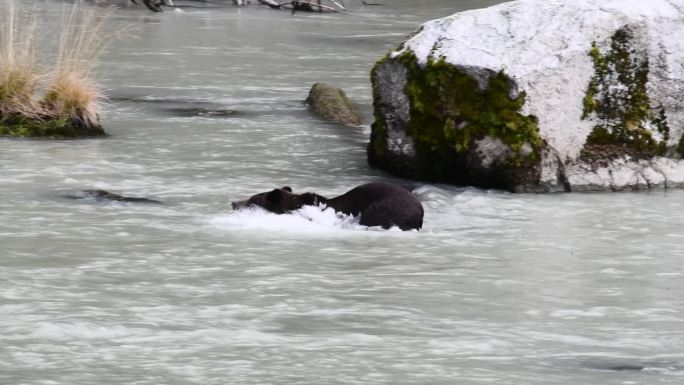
(308, 219)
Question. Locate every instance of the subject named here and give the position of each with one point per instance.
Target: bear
(376, 204)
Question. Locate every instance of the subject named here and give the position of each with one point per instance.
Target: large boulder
(537, 95)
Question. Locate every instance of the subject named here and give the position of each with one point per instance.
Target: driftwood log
(294, 5)
(155, 5)
(302, 5)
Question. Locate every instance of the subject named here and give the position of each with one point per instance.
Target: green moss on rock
(447, 106)
(680, 147)
(449, 113)
(47, 127)
(617, 98)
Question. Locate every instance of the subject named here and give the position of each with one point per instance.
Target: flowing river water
(206, 106)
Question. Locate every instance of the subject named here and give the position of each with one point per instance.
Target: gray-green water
(496, 289)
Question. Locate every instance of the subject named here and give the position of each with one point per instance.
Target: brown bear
(376, 204)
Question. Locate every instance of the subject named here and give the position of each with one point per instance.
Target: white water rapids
(496, 289)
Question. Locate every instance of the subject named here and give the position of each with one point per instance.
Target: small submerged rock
(182, 107)
(630, 365)
(201, 112)
(106, 196)
(331, 103)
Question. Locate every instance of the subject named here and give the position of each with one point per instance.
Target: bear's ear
(286, 188)
(274, 196)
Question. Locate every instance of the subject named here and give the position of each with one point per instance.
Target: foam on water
(308, 219)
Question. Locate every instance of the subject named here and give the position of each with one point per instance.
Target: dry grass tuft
(20, 76)
(68, 90)
(74, 96)
(72, 91)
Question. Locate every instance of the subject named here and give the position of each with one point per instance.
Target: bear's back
(381, 204)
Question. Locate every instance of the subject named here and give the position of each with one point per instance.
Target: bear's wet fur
(376, 204)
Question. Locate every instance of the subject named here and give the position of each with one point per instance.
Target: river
(206, 106)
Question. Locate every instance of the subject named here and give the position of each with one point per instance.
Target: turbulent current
(206, 106)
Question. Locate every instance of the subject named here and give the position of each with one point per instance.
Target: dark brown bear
(377, 204)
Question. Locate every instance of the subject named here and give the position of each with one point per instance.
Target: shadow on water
(181, 107)
(188, 108)
(627, 365)
(103, 196)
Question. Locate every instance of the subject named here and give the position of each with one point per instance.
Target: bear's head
(280, 201)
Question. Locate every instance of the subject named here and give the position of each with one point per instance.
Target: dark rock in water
(630, 365)
(617, 367)
(331, 103)
(626, 367)
(201, 111)
(103, 195)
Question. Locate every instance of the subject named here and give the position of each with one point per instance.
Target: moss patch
(449, 112)
(617, 98)
(48, 127)
(447, 105)
(680, 147)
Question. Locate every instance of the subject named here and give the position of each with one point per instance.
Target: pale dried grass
(72, 90)
(74, 96)
(20, 74)
(69, 89)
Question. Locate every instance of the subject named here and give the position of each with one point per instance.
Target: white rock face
(543, 45)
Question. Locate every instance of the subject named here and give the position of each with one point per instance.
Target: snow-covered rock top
(543, 45)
